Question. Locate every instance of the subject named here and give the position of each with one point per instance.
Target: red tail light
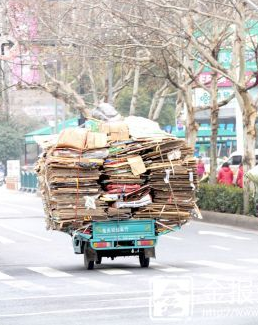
(145, 242)
(102, 244)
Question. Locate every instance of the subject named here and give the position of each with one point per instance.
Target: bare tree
(158, 29)
(237, 14)
(70, 40)
(168, 41)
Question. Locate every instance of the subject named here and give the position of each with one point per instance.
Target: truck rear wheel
(144, 261)
(89, 265)
(99, 259)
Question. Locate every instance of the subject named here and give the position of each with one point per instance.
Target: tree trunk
(190, 124)
(160, 104)
(245, 101)
(106, 89)
(110, 82)
(65, 92)
(93, 85)
(135, 90)
(121, 83)
(214, 108)
(191, 127)
(249, 117)
(155, 101)
(214, 130)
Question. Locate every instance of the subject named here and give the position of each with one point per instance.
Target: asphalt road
(204, 274)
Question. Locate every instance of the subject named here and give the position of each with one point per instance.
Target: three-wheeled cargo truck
(115, 238)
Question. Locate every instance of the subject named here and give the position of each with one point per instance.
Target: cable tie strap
(191, 180)
(167, 176)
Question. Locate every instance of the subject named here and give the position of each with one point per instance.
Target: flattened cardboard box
(117, 131)
(137, 165)
(119, 136)
(96, 140)
(72, 138)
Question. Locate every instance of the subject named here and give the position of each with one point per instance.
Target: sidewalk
(5, 192)
(234, 220)
(19, 197)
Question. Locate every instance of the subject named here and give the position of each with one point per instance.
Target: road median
(235, 220)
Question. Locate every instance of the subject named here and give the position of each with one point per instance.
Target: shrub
(222, 198)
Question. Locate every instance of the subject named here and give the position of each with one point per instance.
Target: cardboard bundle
(117, 176)
(66, 180)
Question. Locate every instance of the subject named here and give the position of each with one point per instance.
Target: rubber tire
(89, 265)
(144, 261)
(99, 260)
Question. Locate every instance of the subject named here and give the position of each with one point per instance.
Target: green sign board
(225, 55)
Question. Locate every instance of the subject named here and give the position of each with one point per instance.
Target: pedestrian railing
(29, 181)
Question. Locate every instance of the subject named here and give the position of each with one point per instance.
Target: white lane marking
(217, 265)
(222, 248)
(7, 210)
(4, 240)
(24, 285)
(152, 263)
(76, 295)
(25, 207)
(172, 269)
(222, 234)
(4, 276)
(91, 282)
(252, 261)
(48, 271)
(78, 310)
(218, 277)
(130, 276)
(251, 271)
(172, 238)
(25, 233)
(249, 260)
(155, 263)
(166, 268)
(115, 272)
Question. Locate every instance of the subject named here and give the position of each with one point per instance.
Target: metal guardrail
(29, 181)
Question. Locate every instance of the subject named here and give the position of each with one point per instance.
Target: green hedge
(222, 198)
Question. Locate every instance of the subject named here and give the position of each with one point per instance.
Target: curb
(234, 220)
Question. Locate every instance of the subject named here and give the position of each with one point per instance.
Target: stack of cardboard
(109, 174)
(167, 168)
(66, 179)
